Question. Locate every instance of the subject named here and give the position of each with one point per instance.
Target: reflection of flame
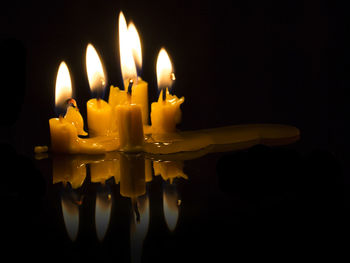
(171, 206)
(139, 226)
(102, 214)
(71, 217)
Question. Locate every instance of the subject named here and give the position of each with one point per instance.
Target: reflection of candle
(68, 169)
(169, 170)
(132, 175)
(102, 171)
(129, 116)
(165, 113)
(99, 112)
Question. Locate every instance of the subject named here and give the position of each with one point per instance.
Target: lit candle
(139, 94)
(99, 112)
(165, 113)
(128, 115)
(63, 131)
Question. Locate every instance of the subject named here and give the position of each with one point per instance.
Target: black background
(235, 62)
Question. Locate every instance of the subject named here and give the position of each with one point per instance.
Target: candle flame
(127, 62)
(165, 74)
(135, 44)
(94, 69)
(63, 89)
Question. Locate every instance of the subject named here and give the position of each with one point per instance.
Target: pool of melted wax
(234, 137)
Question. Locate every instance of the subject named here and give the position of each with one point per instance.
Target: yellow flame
(164, 70)
(63, 89)
(71, 217)
(94, 69)
(135, 44)
(127, 62)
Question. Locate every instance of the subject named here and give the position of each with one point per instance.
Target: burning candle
(165, 113)
(139, 94)
(63, 131)
(99, 112)
(128, 116)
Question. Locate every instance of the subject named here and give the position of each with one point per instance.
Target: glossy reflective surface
(135, 208)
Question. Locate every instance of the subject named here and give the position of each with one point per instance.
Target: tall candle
(128, 116)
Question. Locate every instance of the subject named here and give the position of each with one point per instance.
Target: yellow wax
(117, 96)
(99, 116)
(130, 128)
(166, 114)
(64, 136)
(73, 115)
(102, 171)
(132, 175)
(68, 169)
(64, 139)
(139, 96)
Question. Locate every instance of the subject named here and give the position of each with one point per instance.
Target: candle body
(166, 114)
(99, 116)
(64, 136)
(130, 128)
(139, 96)
(116, 97)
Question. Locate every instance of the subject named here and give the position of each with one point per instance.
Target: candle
(63, 132)
(139, 94)
(165, 113)
(99, 112)
(128, 115)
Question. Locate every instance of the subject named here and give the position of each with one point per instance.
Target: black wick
(131, 82)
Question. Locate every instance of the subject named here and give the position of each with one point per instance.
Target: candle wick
(164, 94)
(131, 82)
